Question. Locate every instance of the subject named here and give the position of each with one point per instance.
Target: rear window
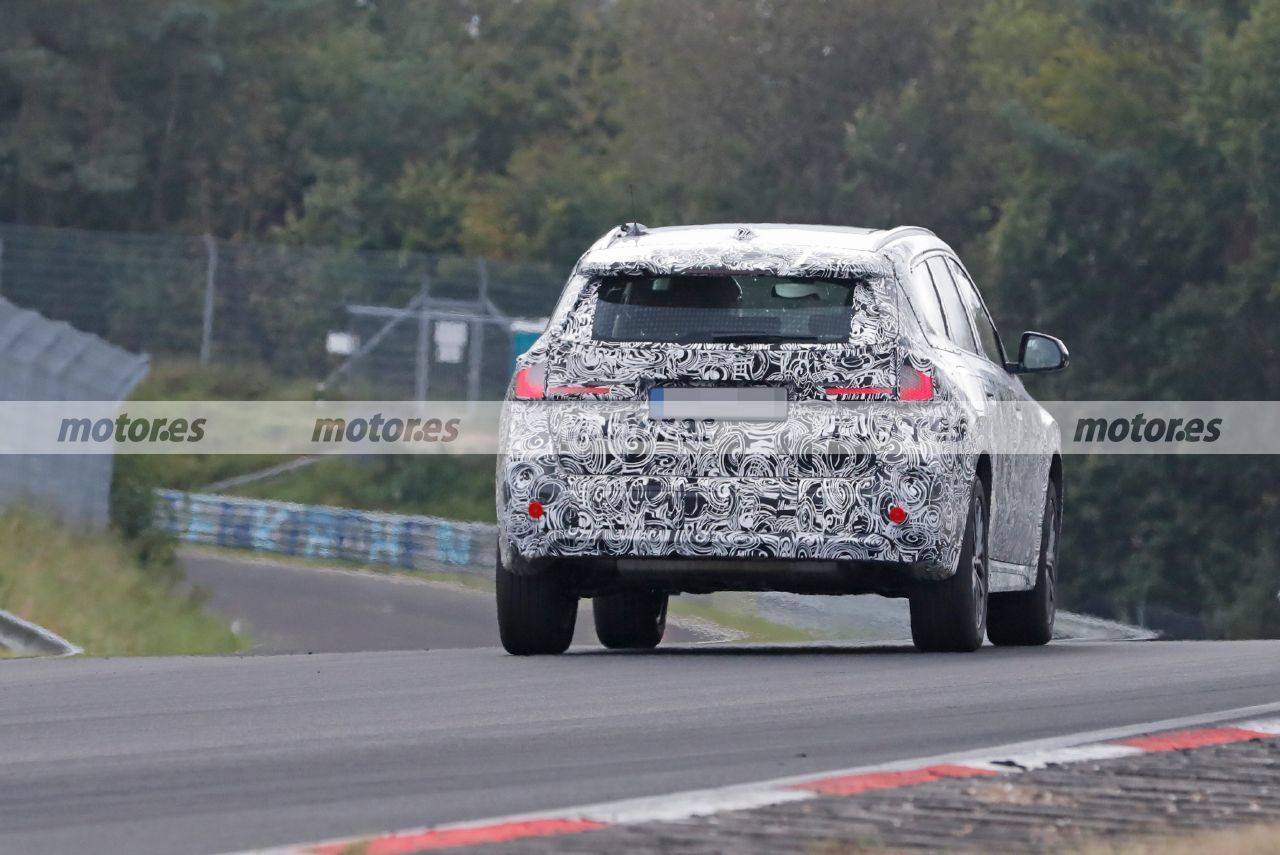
(723, 309)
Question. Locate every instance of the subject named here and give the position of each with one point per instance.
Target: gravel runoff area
(1054, 809)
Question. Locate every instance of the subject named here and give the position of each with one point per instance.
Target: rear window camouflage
(705, 309)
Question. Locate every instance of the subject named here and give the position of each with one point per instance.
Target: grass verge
(96, 591)
(455, 487)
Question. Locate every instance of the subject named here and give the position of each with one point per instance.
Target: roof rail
(900, 232)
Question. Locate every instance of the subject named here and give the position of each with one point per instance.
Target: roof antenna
(634, 228)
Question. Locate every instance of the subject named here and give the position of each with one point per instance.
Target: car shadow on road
(798, 648)
(821, 648)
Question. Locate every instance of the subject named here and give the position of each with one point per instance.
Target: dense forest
(1110, 169)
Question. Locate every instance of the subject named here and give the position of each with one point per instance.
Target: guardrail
(23, 636)
(47, 360)
(314, 531)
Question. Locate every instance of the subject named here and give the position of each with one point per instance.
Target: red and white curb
(1168, 735)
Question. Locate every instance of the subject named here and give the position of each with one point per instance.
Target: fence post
(421, 375)
(476, 336)
(210, 281)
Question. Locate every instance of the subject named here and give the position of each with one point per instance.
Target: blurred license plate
(754, 404)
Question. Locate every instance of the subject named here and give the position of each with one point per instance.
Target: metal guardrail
(48, 360)
(23, 636)
(313, 531)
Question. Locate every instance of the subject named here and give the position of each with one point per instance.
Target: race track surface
(297, 609)
(289, 608)
(173, 755)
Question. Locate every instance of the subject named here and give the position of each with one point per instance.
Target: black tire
(951, 615)
(630, 619)
(536, 613)
(1025, 618)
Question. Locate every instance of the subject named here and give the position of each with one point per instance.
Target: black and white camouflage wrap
(817, 485)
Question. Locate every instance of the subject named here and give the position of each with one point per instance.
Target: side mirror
(1039, 353)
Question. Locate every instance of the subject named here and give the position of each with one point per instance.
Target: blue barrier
(318, 531)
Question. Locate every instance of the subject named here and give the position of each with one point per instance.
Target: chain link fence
(49, 361)
(394, 325)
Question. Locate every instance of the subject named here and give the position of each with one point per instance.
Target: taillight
(531, 382)
(914, 385)
(531, 385)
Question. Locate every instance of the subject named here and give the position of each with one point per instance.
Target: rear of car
(792, 408)
(698, 419)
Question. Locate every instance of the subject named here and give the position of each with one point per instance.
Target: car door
(1015, 425)
(993, 394)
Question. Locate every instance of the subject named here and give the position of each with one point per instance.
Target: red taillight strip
(859, 390)
(578, 390)
(913, 385)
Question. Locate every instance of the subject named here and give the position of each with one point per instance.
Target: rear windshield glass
(728, 309)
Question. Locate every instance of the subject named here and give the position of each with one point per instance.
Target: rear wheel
(1025, 618)
(536, 614)
(951, 615)
(630, 619)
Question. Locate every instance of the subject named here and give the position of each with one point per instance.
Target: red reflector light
(914, 385)
(536, 510)
(531, 383)
(897, 514)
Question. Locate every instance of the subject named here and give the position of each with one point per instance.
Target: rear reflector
(536, 510)
(897, 514)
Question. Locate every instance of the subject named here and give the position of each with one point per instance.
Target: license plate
(749, 404)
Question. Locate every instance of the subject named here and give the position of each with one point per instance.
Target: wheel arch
(982, 468)
(1055, 473)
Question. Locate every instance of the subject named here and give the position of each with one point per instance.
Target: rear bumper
(596, 574)
(782, 528)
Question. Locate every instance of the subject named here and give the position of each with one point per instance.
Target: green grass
(186, 380)
(457, 488)
(730, 610)
(173, 379)
(96, 591)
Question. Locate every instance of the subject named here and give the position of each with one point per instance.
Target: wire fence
(397, 325)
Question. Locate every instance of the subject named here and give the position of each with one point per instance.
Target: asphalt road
(288, 608)
(173, 755)
(294, 609)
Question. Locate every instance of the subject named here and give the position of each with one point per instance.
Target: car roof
(852, 238)
(632, 246)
